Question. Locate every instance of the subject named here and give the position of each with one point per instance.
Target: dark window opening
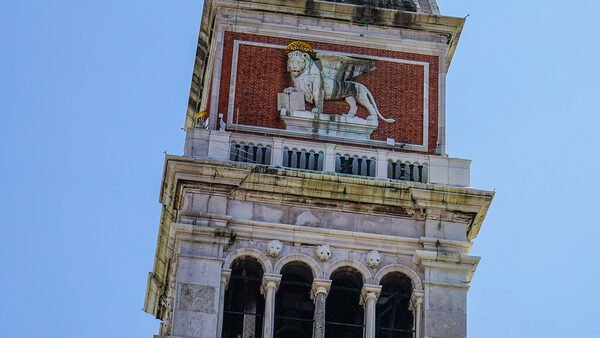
(394, 317)
(244, 305)
(294, 310)
(344, 316)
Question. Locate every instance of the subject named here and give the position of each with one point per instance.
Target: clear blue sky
(93, 92)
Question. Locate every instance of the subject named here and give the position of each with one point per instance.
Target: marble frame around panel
(275, 131)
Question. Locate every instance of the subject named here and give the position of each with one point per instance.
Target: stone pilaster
(368, 298)
(197, 298)
(277, 152)
(382, 164)
(329, 160)
(319, 292)
(269, 286)
(447, 279)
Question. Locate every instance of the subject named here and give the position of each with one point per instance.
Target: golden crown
(300, 46)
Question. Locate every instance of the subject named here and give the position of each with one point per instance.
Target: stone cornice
(281, 186)
(265, 231)
(420, 21)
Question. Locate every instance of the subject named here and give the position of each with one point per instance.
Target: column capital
(270, 280)
(225, 276)
(417, 297)
(320, 286)
(369, 291)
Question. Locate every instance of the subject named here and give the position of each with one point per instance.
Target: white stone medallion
(274, 248)
(323, 252)
(373, 259)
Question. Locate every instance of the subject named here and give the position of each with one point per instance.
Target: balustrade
(407, 171)
(354, 165)
(242, 152)
(303, 159)
(347, 160)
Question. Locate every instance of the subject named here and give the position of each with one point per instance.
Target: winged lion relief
(329, 77)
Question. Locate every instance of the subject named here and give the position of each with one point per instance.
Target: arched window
(344, 316)
(294, 310)
(394, 315)
(244, 305)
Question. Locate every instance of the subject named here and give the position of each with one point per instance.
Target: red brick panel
(396, 87)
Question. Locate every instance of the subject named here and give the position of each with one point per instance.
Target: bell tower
(314, 196)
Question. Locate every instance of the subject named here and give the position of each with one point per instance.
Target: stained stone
(319, 325)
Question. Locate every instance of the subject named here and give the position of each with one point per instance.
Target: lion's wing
(343, 68)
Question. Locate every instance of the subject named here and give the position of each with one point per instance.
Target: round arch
(408, 272)
(365, 273)
(246, 252)
(311, 262)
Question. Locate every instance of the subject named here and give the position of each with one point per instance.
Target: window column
(270, 283)
(320, 289)
(417, 301)
(225, 274)
(368, 298)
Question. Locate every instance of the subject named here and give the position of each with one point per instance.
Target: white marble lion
(328, 77)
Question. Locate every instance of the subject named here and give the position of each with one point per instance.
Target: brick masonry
(396, 87)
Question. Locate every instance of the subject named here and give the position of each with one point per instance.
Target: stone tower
(314, 197)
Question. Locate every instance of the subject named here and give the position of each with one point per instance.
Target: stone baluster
(306, 160)
(359, 167)
(298, 157)
(368, 298)
(264, 154)
(269, 286)
(225, 275)
(320, 289)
